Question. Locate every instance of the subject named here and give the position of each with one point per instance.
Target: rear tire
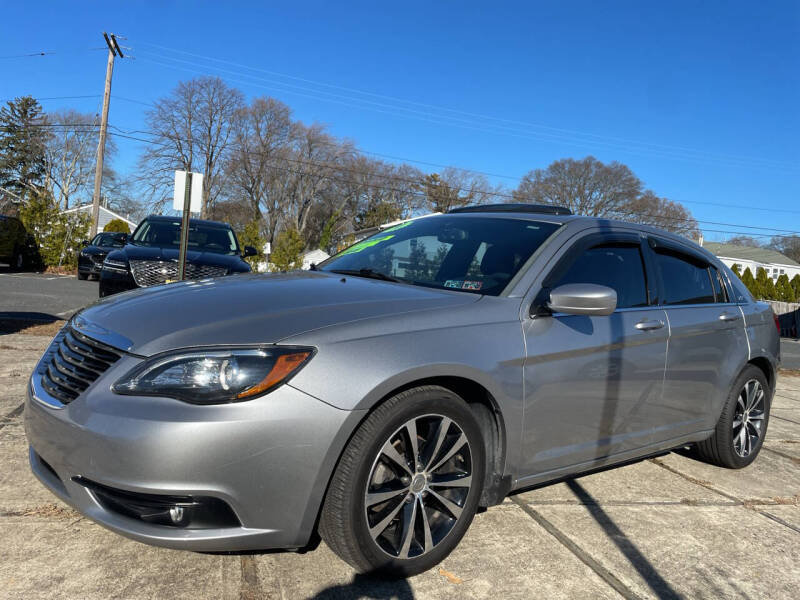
(742, 425)
(398, 510)
(82, 276)
(18, 260)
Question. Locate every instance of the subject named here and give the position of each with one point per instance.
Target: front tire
(407, 485)
(741, 428)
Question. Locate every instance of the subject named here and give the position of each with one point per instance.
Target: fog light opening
(178, 515)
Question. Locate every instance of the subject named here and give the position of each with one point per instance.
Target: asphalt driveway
(662, 528)
(43, 296)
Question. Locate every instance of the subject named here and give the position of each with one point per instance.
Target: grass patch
(30, 327)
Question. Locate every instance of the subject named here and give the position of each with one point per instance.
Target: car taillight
(777, 322)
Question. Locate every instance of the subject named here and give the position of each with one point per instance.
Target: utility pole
(113, 51)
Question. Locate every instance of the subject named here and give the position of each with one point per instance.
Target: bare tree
(70, 152)
(788, 245)
(192, 129)
(256, 166)
(586, 187)
(743, 240)
(649, 209)
(454, 187)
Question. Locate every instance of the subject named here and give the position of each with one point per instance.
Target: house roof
(761, 255)
(84, 207)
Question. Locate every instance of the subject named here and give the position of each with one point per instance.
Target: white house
(314, 257)
(105, 215)
(772, 261)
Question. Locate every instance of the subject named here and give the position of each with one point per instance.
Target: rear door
(707, 343)
(590, 379)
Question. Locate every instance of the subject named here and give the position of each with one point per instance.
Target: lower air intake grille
(74, 361)
(155, 272)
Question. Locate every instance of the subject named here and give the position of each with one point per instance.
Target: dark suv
(150, 256)
(94, 252)
(17, 246)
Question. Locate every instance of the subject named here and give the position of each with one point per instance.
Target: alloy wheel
(748, 418)
(418, 486)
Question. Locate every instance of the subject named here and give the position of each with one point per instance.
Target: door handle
(648, 325)
(726, 316)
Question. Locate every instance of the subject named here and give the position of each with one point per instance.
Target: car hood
(134, 252)
(250, 309)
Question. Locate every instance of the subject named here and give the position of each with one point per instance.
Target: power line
(457, 111)
(336, 167)
(437, 119)
(49, 53)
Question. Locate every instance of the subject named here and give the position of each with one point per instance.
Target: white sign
(180, 189)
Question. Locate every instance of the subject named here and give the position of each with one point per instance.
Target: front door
(589, 380)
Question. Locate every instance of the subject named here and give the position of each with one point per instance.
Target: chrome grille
(98, 259)
(72, 363)
(155, 272)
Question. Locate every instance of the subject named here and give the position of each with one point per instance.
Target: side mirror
(123, 238)
(85, 243)
(249, 251)
(583, 299)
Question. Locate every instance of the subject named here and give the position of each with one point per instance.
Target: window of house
(618, 266)
(686, 280)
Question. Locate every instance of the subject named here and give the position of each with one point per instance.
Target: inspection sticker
(453, 283)
(472, 285)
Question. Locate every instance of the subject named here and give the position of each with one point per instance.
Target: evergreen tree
(22, 145)
(736, 269)
(783, 289)
(287, 255)
(117, 225)
(749, 282)
(796, 286)
(769, 290)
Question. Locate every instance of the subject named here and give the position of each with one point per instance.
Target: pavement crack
(604, 574)
(696, 481)
(778, 520)
(250, 589)
(794, 459)
(7, 420)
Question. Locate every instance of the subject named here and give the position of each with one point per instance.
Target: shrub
(117, 225)
(58, 235)
(251, 236)
(287, 252)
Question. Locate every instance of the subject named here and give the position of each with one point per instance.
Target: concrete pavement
(662, 528)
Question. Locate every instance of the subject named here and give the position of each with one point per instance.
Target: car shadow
(368, 585)
(16, 321)
(660, 587)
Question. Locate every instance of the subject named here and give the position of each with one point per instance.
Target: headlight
(215, 376)
(115, 265)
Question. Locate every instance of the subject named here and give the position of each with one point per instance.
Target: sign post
(187, 197)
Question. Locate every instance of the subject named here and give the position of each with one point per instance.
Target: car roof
(577, 220)
(166, 218)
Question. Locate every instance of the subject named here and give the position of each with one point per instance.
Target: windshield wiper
(368, 273)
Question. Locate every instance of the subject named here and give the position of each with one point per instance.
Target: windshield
(202, 237)
(479, 255)
(108, 239)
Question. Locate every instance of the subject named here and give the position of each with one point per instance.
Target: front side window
(685, 279)
(479, 255)
(618, 266)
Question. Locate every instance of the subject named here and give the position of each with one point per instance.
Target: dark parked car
(17, 246)
(150, 256)
(94, 252)
(381, 398)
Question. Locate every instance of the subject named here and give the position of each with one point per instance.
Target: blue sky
(700, 99)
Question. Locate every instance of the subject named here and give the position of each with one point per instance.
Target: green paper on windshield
(366, 244)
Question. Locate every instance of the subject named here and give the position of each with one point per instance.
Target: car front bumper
(268, 459)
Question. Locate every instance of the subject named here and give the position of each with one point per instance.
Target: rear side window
(686, 280)
(618, 266)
